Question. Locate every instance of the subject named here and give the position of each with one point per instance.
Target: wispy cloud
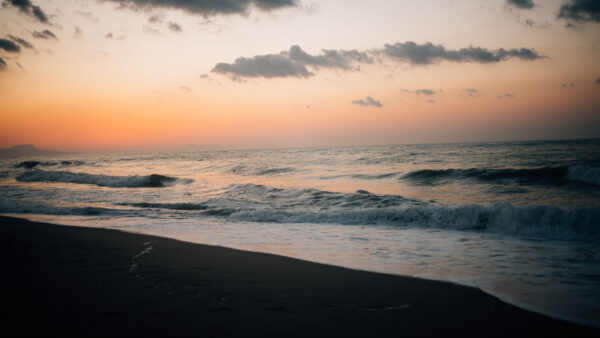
(568, 85)
(27, 7)
(24, 43)
(523, 4)
(291, 63)
(506, 96)
(471, 92)
(2, 64)
(426, 92)
(297, 63)
(175, 27)
(368, 102)
(428, 53)
(45, 34)
(209, 7)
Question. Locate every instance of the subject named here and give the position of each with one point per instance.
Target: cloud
(471, 92)
(2, 64)
(329, 58)
(291, 63)
(156, 18)
(185, 89)
(429, 53)
(209, 7)
(88, 15)
(533, 24)
(297, 63)
(111, 36)
(426, 92)
(524, 4)
(25, 6)
(506, 96)
(78, 32)
(268, 66)
(580, 11)
(598, 80)
(45, 34)
(368, 102)
(174, 27)
(24, 43)
(430, 101)
(9, 46)
(566, 85)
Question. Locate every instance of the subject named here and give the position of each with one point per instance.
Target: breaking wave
(544, 175)
(147, 181)
(259, 203)
(33, 164)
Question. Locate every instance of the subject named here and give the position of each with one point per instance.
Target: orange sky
(151, 86)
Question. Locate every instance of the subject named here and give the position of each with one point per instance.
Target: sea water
(519, 220)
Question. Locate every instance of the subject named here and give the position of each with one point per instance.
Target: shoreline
(88, 281)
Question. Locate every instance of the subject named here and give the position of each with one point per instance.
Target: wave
(502, 218)
(147, 181)
(273, 171)
(33, 164)
(256, 194)
(171, 206)
(243, 170)
(259, 203)
(362, 176)
(544, 175)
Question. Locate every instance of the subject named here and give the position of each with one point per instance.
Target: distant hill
(26, 150)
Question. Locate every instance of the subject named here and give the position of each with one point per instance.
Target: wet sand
(63, 280)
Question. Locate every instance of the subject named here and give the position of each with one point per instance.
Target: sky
(157, 74)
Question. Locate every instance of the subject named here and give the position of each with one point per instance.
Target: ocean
(519, 220)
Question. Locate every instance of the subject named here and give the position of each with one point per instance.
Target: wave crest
(544, 175)
(147, 181)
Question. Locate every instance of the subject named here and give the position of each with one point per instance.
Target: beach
(63, 280)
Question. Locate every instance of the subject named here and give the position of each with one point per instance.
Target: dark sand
(60, 280)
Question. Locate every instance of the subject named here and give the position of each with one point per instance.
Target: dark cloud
(208, 7)
(368, 102)
(598, 80)
(567, 85)
(2, 64)
(21, 41)
(329, 58)
(429, 53)
(174, 27)
(9, 46)
(25, 6)
(471, 92)
(78, 32)
(45, 34)
(506, 96)
(268, 66)
(291, 63)
(524, 4)
(426, 92)
(296, 63)
(580, 10)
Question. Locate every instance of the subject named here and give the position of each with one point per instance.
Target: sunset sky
(158, 74)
